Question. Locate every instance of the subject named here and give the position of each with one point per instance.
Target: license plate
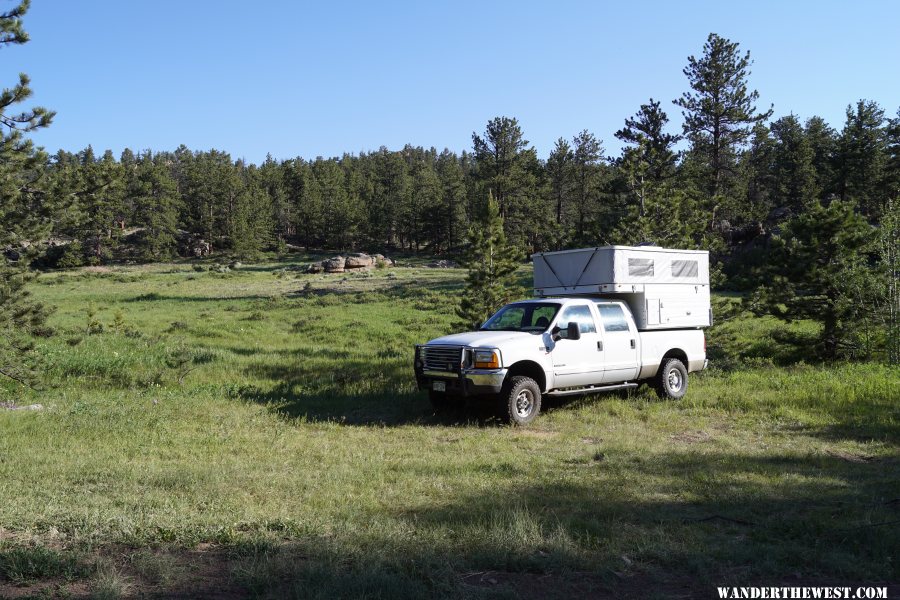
(439, 386)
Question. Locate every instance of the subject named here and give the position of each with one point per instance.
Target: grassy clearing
(258, 433)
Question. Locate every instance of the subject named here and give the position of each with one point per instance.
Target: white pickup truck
(556, 347)
(605, 318)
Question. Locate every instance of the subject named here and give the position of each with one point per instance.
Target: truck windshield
(533, 317)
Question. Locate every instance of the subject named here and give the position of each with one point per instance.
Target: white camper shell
(664, 288)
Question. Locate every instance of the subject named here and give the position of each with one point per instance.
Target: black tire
(672, 379)
(443, 402)
(520, 400)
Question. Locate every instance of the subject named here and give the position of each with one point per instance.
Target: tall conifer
(491, 262)
(23, 211)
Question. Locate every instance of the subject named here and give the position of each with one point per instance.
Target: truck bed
(654, 344)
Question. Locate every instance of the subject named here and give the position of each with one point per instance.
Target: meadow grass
(258, 433)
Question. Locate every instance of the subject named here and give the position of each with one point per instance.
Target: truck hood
(481, 339)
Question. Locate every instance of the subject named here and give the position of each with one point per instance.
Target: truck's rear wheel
(672, 379)
(520, 400)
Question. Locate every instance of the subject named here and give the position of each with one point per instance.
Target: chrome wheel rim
(524, 403)
(675, 380)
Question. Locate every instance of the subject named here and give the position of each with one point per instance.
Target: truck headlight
(487, 359)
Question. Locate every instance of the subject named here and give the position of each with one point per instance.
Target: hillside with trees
(735, 179)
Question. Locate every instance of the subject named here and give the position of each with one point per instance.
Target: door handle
(600, 346)
(632, 344)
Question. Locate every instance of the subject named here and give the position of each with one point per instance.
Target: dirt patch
(47, 589)
(849, 457)
(531, 585)
(200, 572)
(26, 407)
(691, 437)
(203, 572)
(537, 433)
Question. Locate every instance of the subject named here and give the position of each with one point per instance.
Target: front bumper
(468, 382)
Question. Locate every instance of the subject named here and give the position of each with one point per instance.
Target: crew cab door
(577, 362)
(620, 342)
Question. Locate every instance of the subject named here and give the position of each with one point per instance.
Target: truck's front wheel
(520, 400)
(672, 379)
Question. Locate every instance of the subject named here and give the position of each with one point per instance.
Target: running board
(591, 390)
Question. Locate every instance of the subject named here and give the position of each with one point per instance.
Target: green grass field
(257, 433)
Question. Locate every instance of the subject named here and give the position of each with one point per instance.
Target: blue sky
(309, 79)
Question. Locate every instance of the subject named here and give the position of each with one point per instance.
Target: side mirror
(573, 332)
(554, 333)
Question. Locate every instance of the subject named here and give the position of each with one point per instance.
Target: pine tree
(822, 141)
(650, 160)
(426, 216)
(719, 114)
(272, 179)
(758, 171)
(587, 153)
(340, 212)
(888, 251)
(453, 197)
(100, 203)
(794, 172)
(155, 197)
(251, 224)
(559, 174)
(862, 155)
(305, 195)
(491, 262)
(23, 213)
(817, 271)
(209, 185)
(889, 243)
(506, 166)
(646, 132)
(668, 216)
(390, 193)
(62, 177)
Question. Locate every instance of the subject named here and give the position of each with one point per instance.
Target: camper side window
(612, 317)
(640, 267)
(684, 268)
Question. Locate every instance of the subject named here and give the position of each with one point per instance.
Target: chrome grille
(441, 358)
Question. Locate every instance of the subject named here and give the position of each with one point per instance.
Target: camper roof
(617, 247)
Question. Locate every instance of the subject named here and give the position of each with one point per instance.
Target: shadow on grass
(625, 525)
(361, 392)
(364, 392)
(701, 515)
(781, 346)
(156, 297)
(602, 522)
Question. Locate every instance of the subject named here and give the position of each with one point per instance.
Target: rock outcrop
(358, 261)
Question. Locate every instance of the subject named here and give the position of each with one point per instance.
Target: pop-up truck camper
(665, 289)
(602, 319)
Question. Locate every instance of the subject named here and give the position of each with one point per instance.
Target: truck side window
(542, 315)
(612, 317)
(578, 314)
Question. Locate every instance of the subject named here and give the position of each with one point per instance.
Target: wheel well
(675, 353)
(529, 369)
